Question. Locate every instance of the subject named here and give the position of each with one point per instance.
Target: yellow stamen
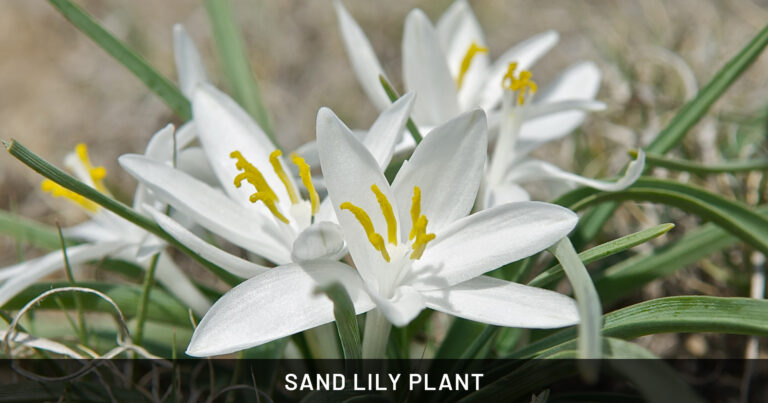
(389, 215)
(374, 238)
(263, 191)
(419, 227)
(278, 167)
(97, 174)
(520, 84)
(473, 50)
(306, 178)
(57, 190)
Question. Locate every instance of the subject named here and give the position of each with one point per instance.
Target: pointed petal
(189, 66)
(525, 53)
(223, 126)
(175, 281)
(503, 303)
(426, 73)
(350, 171)
(275, 304)
(362, 57)
(321, 240)
(231, 263)
(489, 239)
(532, 170)
(447, 166)
(402, 307)
(579, 82)
(388, 129)
(213, 210)
(30, 271)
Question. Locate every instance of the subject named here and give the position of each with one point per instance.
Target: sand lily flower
(104, 235)
(510, 166)
(449, 69)
(412, 243)
(261, 208)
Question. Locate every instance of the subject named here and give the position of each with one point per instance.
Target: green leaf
(693, 167)
(457, 339)
(737, 218)
(155, 81)
(685, 314)
(346, 321)
(28, 231)
(49, 171)
(555, 273)
(235, 63)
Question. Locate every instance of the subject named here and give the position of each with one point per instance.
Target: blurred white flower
(412, 243)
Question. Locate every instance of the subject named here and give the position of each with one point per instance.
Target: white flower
(449, 69)
(261, 208)
(412, 243)
(105, 234)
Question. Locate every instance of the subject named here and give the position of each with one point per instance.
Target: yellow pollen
(419, 227)
(263, 191)
(97, 174)
(278, 167)
(306, 178)
(57, 190)
(473, 50)
(519, 84)
(389, 215)
(374, 238)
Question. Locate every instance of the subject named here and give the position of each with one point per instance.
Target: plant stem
(141, 311)
(376, 335)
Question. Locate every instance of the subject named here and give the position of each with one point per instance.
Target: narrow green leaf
(346, 322)
(155, 81)
(459, 335)
(555, 273)
(235, 63)
(28, 231)
(49, 171)
(737, 218)
(693, 167)
(394, 96)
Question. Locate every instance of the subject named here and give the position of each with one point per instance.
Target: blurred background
(57, 88)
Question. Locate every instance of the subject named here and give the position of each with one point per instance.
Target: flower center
(264, 192)
(418, 235)
(522, 83)
(95, 174)
(473, 50)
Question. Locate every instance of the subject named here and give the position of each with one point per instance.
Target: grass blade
(693, 167)
(28, 231)
(155, 81)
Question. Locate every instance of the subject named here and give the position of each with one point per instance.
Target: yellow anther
(374, 238)
(57, 190)
(473, 50)
(419, 227)
(263, 191)
(278, 167)
(306, 178)
(389, 215)
(97, 174)
(519, 84)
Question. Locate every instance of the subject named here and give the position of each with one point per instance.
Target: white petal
(489, 239)
(231, 263)
(579, 82)
(30, 271)
(173, 279)
(320, 240)
(362, 57)
(447, 166)
(275, 304)
(525, 53)
(210, 208)
(503, 193)
(388, 129)
(91, 231)
(503, 303)
(532, 169)
(194, 162)
(224, 127)
(402, 307)
(188, 64)
(426, 73)
(350, 171)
